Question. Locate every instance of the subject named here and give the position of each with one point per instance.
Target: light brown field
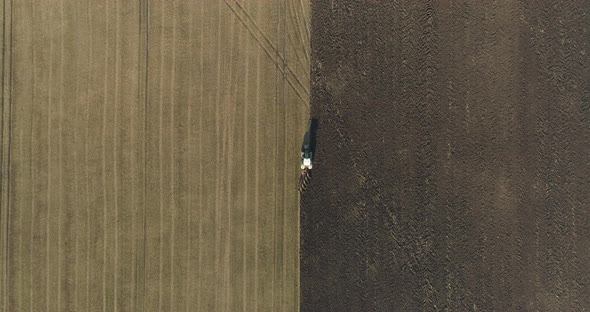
(149, 154)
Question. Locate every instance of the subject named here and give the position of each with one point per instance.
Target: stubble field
(149, 154)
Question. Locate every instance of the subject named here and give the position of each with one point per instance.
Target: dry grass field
(149, 154)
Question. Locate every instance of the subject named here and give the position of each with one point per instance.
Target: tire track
(228, 146)
(135, 173)
(234, 173)
(285, 159)
(257, 172)
(130, 286)
(104, 166)
(270, 50)
(221, 200)
(32, 164)
(306, 21)
(137, 169)
(77, 191)
(276, 157)
(160, 158)
(60, 152)
(172, 159)
(6, 147)
(218, 103)
(18, 216)
(297, 23)
(49, 192)
(228, 167)
(3, 184)
(245, 235)
(115, 162)
(188, 278)
(298, 43)
(302, 61)
(144, 7)
(87, 170)
(201, 90)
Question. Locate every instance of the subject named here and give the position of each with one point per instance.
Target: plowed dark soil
(453, 157)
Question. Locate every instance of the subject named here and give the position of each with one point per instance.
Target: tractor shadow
(311, 135)
(313, 130)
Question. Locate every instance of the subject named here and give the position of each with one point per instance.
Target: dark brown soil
(453, 157)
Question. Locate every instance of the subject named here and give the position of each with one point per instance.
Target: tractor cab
(306, 157)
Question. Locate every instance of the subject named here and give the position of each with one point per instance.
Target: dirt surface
(150, 154)
(453, 157)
